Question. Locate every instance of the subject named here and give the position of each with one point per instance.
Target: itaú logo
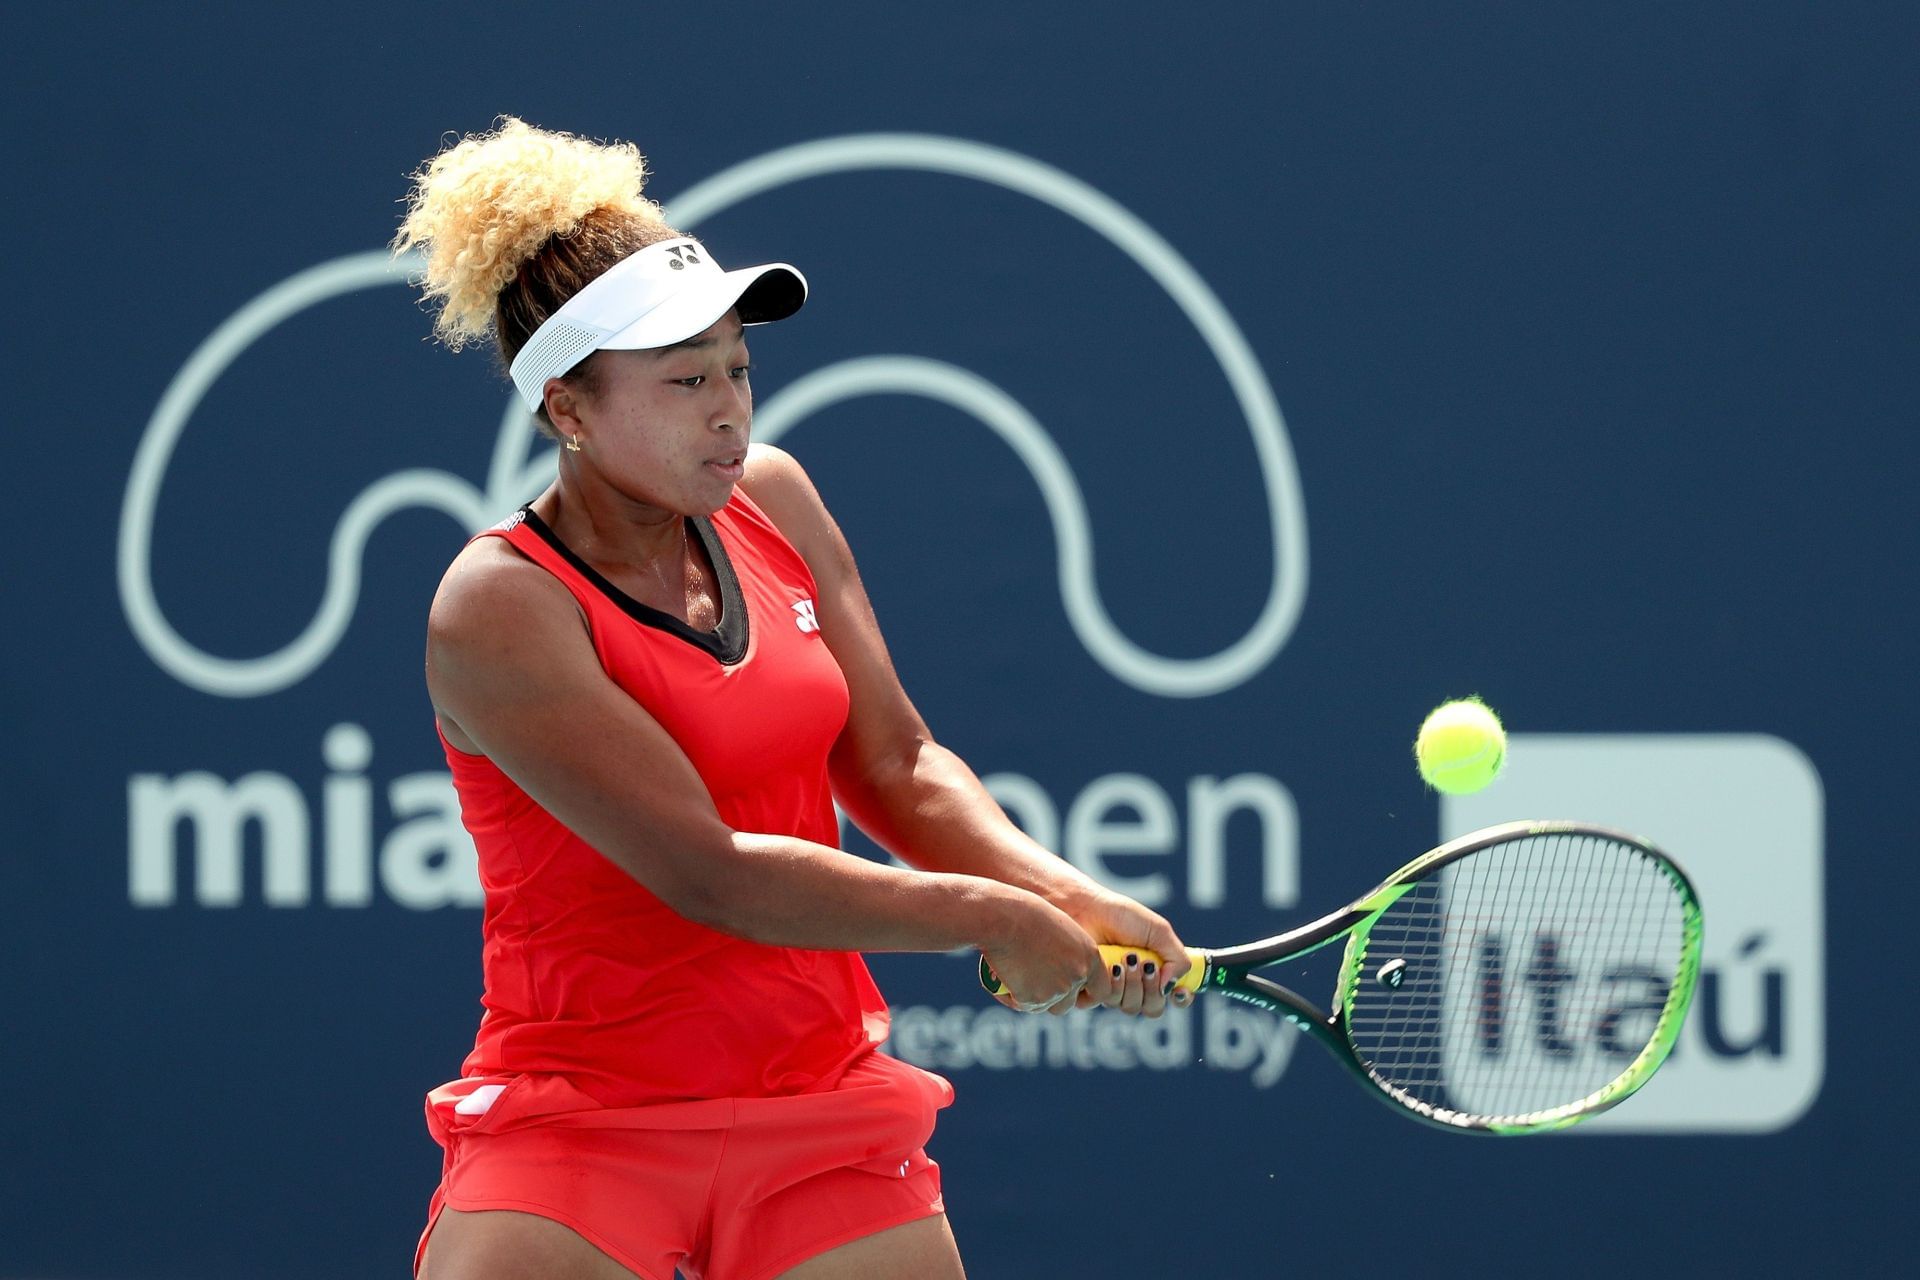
(520, 467)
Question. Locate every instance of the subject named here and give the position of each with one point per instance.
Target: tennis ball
(1461, 747)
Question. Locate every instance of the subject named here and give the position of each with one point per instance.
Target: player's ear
(563, 408)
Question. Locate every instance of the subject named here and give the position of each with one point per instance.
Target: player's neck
(605, 526)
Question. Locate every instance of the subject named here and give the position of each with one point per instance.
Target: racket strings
(1534, 974)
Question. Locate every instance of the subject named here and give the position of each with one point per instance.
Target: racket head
(1519, 979)
(1540, 880)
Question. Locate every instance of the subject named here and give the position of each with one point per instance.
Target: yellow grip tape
(1114, 955)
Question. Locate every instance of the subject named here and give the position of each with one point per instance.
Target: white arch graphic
(507, 485)
(513, 476)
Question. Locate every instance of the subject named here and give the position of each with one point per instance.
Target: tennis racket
(1515, 980)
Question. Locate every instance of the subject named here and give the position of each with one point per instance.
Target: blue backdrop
(1206, 394)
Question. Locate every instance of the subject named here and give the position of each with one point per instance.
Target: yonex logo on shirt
(803, 616)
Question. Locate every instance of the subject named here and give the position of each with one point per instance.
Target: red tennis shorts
(722, 1188)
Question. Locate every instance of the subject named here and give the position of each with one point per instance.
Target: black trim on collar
(727, 642)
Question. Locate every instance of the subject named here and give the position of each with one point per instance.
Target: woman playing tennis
(653, 683)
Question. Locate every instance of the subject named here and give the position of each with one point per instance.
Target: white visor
(665, 293)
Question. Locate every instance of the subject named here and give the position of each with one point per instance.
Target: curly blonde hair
(516, 221)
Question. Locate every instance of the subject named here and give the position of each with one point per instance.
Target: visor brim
(760, 295)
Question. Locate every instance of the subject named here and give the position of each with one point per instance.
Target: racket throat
(1262, 993)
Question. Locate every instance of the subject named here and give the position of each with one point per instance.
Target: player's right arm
(513, 675)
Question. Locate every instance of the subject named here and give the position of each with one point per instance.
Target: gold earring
(573, 444)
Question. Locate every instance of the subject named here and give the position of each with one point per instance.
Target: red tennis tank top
(590, 975)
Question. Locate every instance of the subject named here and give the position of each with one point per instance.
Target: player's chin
(712, 495)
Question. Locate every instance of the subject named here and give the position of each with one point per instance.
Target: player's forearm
(929, 809)
(793, 893)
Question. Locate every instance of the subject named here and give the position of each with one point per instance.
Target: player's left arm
(914, 797)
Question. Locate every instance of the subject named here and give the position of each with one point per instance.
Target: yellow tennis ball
(1461, 747)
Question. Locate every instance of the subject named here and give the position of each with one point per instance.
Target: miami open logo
(519, 467)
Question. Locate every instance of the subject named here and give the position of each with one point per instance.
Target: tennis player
(652, 683)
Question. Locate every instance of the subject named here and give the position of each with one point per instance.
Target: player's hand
(1047, 961)
(1140, 983)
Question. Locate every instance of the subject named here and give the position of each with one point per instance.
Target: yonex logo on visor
(665, 293)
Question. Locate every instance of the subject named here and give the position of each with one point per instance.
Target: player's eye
(739, 372)
(694, 381)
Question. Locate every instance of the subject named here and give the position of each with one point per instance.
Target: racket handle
(1113, 955)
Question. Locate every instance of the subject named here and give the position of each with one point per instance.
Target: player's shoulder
(491, 586)
(774, 474)
(777, 484)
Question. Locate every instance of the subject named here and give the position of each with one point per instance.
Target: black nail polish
(1116, 971)
(1149, 969)
(1167, 990)
(1132, 960)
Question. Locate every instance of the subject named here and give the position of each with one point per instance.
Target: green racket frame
(1227, 971)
